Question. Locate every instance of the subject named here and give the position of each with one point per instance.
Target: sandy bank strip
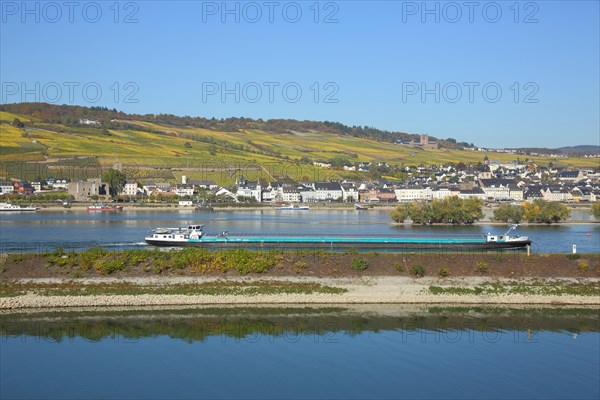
(371, 290)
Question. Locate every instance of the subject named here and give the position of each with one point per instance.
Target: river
(43, 231)
(354, 352)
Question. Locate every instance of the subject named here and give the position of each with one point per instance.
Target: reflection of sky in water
(131, 227)
(361, 357)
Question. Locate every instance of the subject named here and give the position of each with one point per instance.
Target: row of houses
(491, 182)
(25, 187)
(21, 187)
(488, 189)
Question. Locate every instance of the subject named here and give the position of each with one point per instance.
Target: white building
(290, 194)
(498, 189)
(571, 176)
(85, 121)
(350, 192)
(476, 193)
(184, 190)
(322, 165)
(249, 189)
(6, 187)
(202, 184)
(58, 183)
(130, 188)
(161, 187)
(322, 191)
(516, 192)
(222, 192)
(556, 194)
(413, 193)
(443, 192)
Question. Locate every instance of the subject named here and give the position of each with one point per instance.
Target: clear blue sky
(377, 57)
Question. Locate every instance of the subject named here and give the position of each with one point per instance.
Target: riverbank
(194, 277)
(319, 263)
(177, 291)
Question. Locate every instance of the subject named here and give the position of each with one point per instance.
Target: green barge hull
(342, 243)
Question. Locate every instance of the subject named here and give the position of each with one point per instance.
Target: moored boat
(194, 235)
(204, 207)
(293, 207)
(361, 207)
(104, 207)
(15, 208)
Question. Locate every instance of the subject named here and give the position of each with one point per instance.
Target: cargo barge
(194, 235)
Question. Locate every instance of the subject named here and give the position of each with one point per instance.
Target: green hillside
(166, 151)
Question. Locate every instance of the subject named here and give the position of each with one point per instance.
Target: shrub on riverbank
(481, 267)
(595, 211)
(509, 213)
(359, 264)
(417, 270)
(548, 212)
(196, 260)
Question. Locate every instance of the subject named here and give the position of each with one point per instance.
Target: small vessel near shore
(361, 207)
(104, 207)
(203, 207)
(8, 207)
(194, 235)
(293, 207)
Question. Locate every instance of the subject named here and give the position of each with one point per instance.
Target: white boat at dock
(293, 207)
(15, 208)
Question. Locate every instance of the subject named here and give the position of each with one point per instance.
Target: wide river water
(361, 352)
(43, 231)
(354, 352)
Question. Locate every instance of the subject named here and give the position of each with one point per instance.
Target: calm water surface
(44, 230)
(370, 352)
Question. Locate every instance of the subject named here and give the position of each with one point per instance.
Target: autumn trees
(538, 211)
(452, 210)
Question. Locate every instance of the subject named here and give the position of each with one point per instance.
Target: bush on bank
(538, 211)
(196, 260)
(595, 211)
(453, 210)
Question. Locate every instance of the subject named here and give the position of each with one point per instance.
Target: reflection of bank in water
(324, 322)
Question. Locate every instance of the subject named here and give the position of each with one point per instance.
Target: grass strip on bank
(104, 262)
(521, 288)
(218, 288)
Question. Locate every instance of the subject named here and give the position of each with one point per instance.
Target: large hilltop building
(424, 142)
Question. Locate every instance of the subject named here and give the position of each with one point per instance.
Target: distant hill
(581, 149)
(70, 115)
(567, 150)
(73, 141)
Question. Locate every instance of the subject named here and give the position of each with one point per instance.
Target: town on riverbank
(490, 182)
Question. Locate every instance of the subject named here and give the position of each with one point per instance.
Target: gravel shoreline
(366, 290)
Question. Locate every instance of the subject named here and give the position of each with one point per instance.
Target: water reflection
(198, 324)
(376, 351)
